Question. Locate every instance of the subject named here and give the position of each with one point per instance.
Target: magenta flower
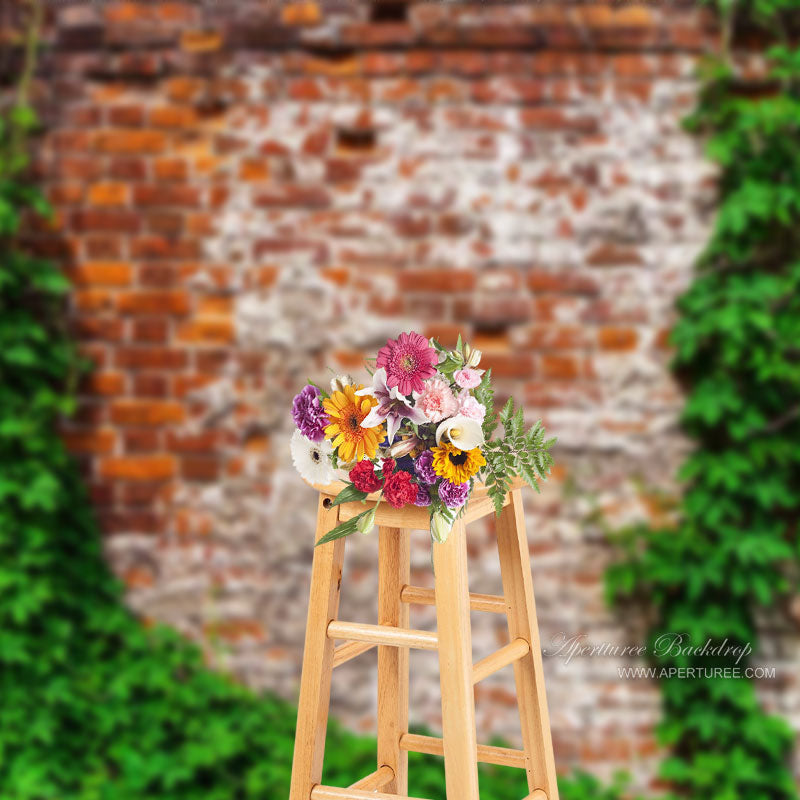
(453, 495)
(408, 361)
(423, 497)
(423, 466)
(392, 407)
(308, 414)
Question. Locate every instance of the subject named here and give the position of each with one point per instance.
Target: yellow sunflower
(456, 466)
(346, 412)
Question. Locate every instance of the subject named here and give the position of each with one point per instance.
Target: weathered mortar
(264, 191)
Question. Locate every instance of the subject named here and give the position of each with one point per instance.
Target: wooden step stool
(393, 637)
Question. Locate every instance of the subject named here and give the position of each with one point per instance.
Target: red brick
(559, 367)
(173, 117)
(160, 247)
(103, 383)
(146, 412)
(105, 219)
(200, 41)
(127, 168)
(556, 119)
(154, 302)
(207, 330)
(150, 358)
(141, 440)
(101, 273)
(130, 141)
(301, 13)
(564, 282)
(93, 300)
(613, 255)
(610, 338)
(103, 247)
(141, 494)
(253, 169)
(109, 329)
(508, 365)
(557, 337)
(150, 329)
(66, 194)
(170, 169)
(90, 441)
(170, 223)
(126, 116)
(128, 521)
(151, 385)
(170, 194)
(200, 468)
(436, 280)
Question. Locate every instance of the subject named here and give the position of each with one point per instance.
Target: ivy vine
(736, 546)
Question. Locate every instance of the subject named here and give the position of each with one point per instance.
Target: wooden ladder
(393, 637)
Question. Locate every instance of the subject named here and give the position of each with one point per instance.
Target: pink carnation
(468, 378)
(437, 400)
(469, 407)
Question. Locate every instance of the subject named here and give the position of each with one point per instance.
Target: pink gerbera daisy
(408, 360)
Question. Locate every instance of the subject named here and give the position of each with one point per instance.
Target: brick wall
(249, 192)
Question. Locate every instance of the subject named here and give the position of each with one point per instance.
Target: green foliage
(518, 452)
(738, 348)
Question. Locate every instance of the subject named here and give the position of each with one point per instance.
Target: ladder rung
(477, 602)
(487, 754)
(502, 658)
(537, 794)
(346, 652)
(375, 781)
(329, 793)
(383, 634)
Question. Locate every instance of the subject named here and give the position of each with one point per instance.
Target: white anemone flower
(312, 459)
(463, 432)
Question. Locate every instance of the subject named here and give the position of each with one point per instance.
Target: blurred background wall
(249, 192)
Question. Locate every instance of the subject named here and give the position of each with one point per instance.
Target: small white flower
(311, 459)
(463, 432)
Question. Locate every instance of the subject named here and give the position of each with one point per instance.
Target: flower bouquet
(421, 434)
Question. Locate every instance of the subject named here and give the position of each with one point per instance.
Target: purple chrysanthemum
(423, 497)
(453, 495)
(423, 466)
(308, 414)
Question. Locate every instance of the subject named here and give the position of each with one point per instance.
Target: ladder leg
(315, 683)
(455, 666)
(394, 571)
(512, 543)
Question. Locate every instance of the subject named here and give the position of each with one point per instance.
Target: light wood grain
(412, 517)
(350, 650)
(394, 568)
(315, 683)
(382, 634)
(455, 665)
(501, 658)
(329, 793)
(512, 543)
(487, 754)
(418, 595)
(537, 795)
(376, 781)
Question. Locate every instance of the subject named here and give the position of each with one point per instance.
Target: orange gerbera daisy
(346, 412)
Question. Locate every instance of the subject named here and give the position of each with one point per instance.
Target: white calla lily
(463, 432)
